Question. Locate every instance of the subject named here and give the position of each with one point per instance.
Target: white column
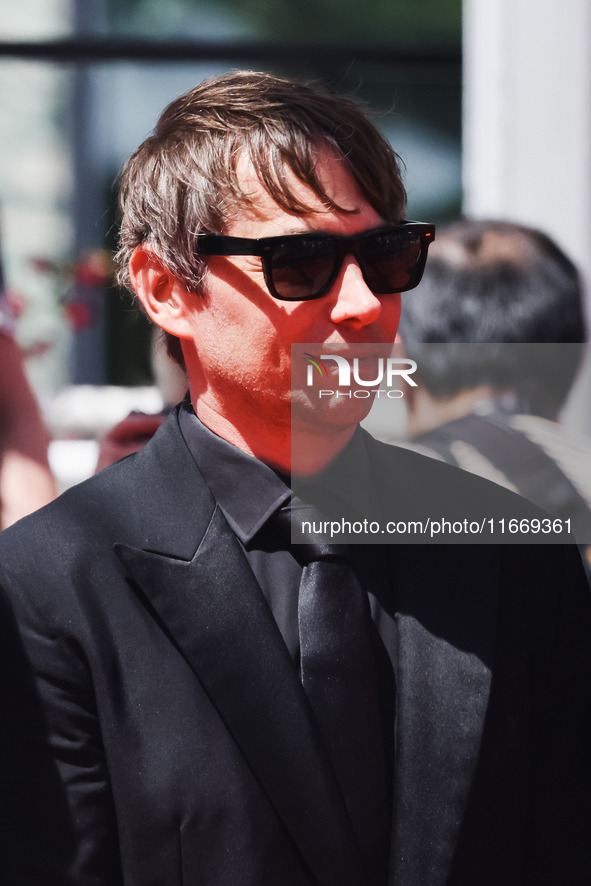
(527, 128)
(527, 116)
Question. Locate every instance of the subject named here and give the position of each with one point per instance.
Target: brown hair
(182, 181)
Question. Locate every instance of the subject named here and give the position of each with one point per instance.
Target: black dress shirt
(248, 492)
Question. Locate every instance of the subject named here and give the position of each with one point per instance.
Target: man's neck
(304, 454)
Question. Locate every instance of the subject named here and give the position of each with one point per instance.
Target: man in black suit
(185, 700)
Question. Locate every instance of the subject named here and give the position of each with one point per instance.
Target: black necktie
(339, 676)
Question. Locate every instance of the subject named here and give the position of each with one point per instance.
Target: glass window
(71, 116)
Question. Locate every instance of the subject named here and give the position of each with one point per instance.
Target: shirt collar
(346, 484)
(246, 490)
(249, 491)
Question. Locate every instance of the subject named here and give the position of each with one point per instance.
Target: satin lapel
(446, 616)
(443, 602)
(216, 614)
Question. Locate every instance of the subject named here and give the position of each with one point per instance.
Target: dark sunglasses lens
(302, 268)
(392, 261)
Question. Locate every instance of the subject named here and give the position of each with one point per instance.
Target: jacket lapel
(442, 604)
(210, 604)
(446, 616)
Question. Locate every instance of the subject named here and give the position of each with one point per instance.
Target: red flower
(16, 302)
(95, 269)
(79, 314)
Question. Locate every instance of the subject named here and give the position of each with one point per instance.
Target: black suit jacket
(154, 731)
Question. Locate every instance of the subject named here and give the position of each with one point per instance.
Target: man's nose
(355, 303)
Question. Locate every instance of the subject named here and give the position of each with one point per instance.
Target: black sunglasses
(299, 267)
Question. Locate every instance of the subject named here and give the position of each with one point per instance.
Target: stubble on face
(239, 359)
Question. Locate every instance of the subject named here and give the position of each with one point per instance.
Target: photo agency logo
(359, 377)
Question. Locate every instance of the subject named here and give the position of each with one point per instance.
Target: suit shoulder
(127, 502)
(413, 476)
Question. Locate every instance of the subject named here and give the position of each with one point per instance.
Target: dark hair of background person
(496, 282)
(182, 180)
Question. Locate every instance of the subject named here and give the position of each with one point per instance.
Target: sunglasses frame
(264, 247)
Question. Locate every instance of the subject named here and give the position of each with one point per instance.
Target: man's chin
(328, 408)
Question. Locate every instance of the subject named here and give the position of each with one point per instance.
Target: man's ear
(164, 297)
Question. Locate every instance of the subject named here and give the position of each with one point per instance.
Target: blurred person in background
(482, 404)
(26, 481)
